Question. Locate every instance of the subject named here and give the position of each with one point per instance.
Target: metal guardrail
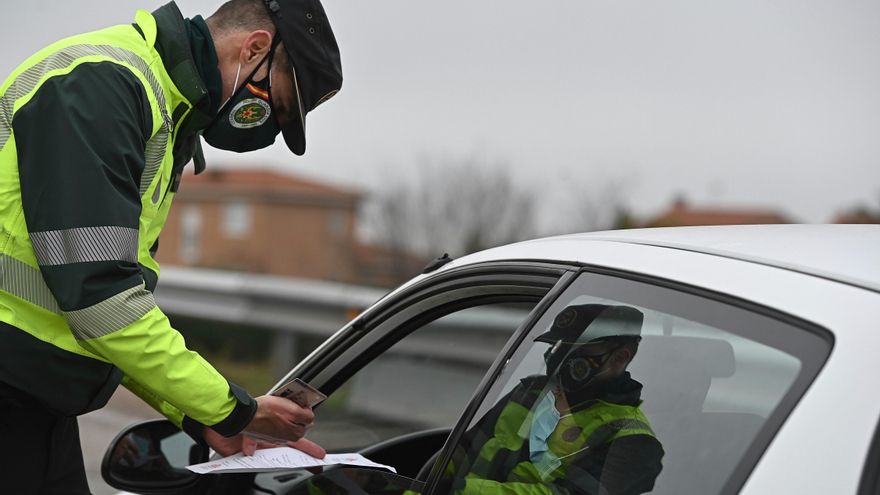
(275, 303)
(291, 308)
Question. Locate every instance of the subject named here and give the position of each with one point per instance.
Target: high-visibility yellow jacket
(581, 445)
(94, 132)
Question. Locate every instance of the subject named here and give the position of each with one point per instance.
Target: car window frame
(768, 431)
(429, 299)
(869, 482)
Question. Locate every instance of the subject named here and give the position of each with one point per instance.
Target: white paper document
(277, 459)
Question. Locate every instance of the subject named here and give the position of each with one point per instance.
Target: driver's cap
(586, 323)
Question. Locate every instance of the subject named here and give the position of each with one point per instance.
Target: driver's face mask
(245, 121)
(544, 421)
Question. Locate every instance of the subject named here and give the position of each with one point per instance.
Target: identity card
(300, 392)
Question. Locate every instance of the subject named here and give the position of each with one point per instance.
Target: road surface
(97, 430)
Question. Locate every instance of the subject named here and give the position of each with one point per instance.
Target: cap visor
(295, 129)
(294, 136)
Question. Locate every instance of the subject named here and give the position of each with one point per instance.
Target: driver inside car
(576, 429)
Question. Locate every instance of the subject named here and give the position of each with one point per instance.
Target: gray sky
(754, 103)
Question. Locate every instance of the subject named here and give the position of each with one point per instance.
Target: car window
(422, 381)
(629, 387)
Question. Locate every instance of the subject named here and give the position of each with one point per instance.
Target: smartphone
(300, 392)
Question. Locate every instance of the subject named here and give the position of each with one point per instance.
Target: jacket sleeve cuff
(241, 416)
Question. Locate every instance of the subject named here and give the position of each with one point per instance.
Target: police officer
(94, 133)
(577, 429)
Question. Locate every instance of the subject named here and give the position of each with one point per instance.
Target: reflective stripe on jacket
(70, 346)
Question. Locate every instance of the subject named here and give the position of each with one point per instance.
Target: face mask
(245, 121)
(544, 421)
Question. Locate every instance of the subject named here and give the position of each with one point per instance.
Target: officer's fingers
(303, 415)
(266, 441)
(309, 447)
(248, 445)
(222, 445)
(294, 432)
(274, 408)
(298, 415)
(281, 418)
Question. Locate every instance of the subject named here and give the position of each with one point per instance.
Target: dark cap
(580, 324)
(314, 57)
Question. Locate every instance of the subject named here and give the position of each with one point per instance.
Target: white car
(756, 352)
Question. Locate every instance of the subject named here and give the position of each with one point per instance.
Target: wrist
(242, 413)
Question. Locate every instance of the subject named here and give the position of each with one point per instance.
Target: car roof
(845, 253)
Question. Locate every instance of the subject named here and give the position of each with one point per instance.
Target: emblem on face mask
(579, 369)
(252, 112)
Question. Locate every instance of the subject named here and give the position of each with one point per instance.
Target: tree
(451, 205)
(588, 204)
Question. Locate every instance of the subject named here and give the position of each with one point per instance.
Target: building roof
(682, 214)
(263, 183)
(858, 215)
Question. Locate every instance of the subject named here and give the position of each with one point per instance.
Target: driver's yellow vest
(502, 463)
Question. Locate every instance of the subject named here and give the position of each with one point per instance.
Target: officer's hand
(281, 421)
(227, 446)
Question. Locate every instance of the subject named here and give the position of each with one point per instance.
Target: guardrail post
(283, 355)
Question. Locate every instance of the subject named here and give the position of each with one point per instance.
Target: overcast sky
(746, 103)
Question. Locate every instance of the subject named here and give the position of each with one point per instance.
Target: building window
(236, 219)
(191, 234)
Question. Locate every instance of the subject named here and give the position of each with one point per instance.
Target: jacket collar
(173, 46)
(623, 390)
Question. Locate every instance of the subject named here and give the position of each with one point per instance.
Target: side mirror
(151, 457)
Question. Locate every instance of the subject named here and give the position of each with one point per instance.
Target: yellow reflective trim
(21, 88)
(112, 314)
(85, 244)
(26, 282)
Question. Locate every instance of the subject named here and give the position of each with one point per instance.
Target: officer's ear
(256, 46)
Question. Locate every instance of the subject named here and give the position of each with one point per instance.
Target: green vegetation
(254, 376)
(240, 353)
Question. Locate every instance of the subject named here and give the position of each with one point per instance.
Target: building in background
(683, 214)
(858, 215)
(264, 222)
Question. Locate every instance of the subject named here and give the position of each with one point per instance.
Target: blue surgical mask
(544, 421)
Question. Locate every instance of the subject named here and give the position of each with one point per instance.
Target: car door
(716, 377)
(399, 376)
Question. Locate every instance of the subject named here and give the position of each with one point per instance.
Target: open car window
(399, 378)
(421, 382)
(627, 386)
